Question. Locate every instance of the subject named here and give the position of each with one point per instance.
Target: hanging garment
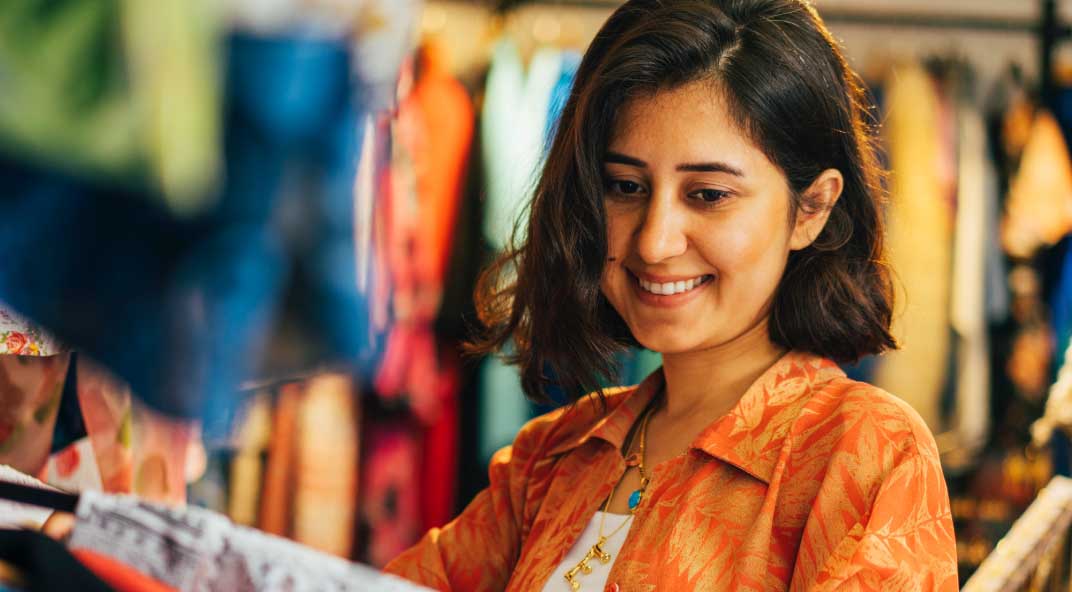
(364, 198)
(976, 195)
(195, 549)
(920, 225)
(440, 445)
(502, 408)
(1061, 304)
(75, 468)
(390, 489)
(514, 123)
(325, 487)
(33, 369)
(128, 449)
(385, 35)
(133, 62)
(247, 465)
(31, 388)
(436, 125)
(181, 307)
(513, 128)
(571, 60)
(276, 514)
(106, 408)
(1038, 211)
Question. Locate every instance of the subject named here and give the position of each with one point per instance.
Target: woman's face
(698, 223)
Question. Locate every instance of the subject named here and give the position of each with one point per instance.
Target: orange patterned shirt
(812, 482)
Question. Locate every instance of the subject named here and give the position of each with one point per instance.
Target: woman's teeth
(671, 288)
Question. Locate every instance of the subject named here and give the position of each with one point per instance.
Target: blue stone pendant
(634, 499)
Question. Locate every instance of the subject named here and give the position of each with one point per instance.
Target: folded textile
(199, 550)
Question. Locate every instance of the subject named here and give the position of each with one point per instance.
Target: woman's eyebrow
(690, 167)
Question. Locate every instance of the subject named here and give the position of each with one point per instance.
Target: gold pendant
(596, 552)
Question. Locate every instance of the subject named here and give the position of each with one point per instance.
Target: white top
(596, 580)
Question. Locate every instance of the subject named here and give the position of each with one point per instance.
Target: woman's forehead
(685, 124)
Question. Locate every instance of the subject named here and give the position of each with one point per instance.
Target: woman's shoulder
(562, 428)
(859, 415)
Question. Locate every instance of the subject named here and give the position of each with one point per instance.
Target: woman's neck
(706, 384)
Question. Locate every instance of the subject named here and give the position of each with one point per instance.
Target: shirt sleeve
(478, 550)
(906, 542)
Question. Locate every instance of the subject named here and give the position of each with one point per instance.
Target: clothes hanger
(35, 496)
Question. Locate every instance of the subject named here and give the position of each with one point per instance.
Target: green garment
(120, 89)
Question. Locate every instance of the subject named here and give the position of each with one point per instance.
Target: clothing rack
(1046, 27)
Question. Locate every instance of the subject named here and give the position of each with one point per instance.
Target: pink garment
(134, 449)
(390, 496)
(30, 391)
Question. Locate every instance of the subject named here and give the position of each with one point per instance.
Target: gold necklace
(597, 552)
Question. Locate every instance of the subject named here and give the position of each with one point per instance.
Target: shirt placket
(604, 470)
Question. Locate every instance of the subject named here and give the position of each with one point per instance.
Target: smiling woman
(711, 194)
(691, 199)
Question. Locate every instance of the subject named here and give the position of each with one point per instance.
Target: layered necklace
(597, 552)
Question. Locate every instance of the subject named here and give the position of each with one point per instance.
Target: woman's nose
(661, 234)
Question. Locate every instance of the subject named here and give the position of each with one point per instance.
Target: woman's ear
(818, 200)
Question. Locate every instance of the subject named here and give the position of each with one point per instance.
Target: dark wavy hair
(789, 87)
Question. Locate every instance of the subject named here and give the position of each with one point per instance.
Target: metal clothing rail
(1047, 28)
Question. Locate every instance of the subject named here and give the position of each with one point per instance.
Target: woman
(711, 194)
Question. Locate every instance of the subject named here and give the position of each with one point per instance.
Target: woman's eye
(623, 187)
(710, 196)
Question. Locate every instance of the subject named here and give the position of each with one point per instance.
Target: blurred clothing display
(241, 240)
(98, 99)
(1039, 208)
(920, 226)
(183, 307)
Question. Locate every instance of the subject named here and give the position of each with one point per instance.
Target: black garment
(46, 564)
(70, 426)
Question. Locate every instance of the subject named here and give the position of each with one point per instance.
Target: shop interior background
(242, 239)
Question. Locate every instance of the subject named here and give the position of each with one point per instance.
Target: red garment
(117, 574)
(436, 123)
(439, 463)
(390, 484)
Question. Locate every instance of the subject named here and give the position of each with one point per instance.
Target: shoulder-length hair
(789, 87)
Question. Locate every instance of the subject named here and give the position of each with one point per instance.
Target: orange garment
(117, 574)
(812, 482)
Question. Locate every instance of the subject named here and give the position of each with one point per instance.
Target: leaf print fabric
(812, 482)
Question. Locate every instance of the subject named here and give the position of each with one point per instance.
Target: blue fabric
(180, 308)
(571, 60)
(1061, 307)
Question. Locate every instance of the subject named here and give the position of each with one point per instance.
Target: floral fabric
(812, 482)
(19, 337)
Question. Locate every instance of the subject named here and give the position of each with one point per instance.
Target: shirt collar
(751, 435)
